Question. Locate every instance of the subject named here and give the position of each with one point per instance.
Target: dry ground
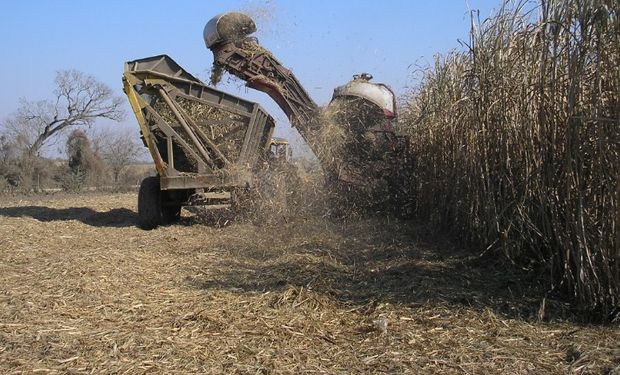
(82, 290)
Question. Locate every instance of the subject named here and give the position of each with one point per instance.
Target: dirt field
(82, 290)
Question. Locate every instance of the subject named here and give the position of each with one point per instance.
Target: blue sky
(323, 42)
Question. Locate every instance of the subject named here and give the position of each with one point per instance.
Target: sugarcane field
(272, 187)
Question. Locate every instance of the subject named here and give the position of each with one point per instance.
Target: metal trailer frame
(190, 160)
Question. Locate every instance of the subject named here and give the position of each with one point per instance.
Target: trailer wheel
(171, 214)
(149, 204)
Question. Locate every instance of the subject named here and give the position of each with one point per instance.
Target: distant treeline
(108, 162)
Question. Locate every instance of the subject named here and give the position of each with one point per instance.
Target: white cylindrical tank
(377, 93)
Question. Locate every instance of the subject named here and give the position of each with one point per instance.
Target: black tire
(149, 204)
(171, 214)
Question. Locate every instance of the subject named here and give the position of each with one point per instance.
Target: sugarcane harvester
(206, 144)
(353, 138)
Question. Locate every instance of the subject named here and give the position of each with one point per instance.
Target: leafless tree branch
(79, 100)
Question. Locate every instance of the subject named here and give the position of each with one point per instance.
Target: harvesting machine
(354, 137)
(206, 144)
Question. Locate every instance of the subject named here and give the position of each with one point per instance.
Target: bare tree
(7, 150)
(79, 100)
(119, 150)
